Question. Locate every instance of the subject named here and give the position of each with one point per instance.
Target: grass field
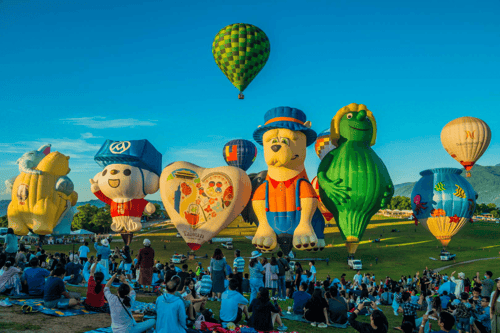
(399, 253)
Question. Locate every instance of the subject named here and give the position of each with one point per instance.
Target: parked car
(446, 256)
(355, 264)
(178, 259)
(228, 245)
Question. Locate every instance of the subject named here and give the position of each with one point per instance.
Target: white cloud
(102, 122)
(65, 146)
(89, 135)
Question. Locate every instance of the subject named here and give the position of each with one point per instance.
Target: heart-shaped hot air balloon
(241, 51)
(202, 202)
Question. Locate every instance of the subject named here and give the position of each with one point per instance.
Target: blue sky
(74, 73)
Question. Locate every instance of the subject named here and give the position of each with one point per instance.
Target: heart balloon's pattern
(202, 202)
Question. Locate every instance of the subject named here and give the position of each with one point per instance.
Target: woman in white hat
(146, 261)
(256, 274)
(105, 251)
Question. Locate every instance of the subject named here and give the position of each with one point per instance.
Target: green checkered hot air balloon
(241, 51)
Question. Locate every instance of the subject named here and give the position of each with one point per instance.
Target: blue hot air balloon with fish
(240, 153)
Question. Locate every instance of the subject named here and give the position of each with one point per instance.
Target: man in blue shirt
(444, 299)
(170, 312)
(83, 251)
(300, 298)
(483, 322)
(357, 278)
(312, 269)
(55, 294)
(239, 266)
(73, 272)
(34, 278)
(233, 304)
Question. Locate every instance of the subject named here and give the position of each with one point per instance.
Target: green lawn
(404, 252)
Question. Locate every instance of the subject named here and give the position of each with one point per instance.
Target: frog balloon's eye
(349, 115)
(285, 141)
(104, 172)
(274, 140)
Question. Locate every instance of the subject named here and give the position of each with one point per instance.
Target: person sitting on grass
(337, 307)
(463, 313)
(483, 322)
(170, 312)
(378, 321)
(264, 313)
(205, 285)
(9, 279)
(55, 295)
(120, 305)
(445, 299)
(317, 310)
(95, 293)
(233, 304)
(74, 272)
(197, 301)
(34, 278)
(409, 309)
(300, 299)
(446, 322)
(183, 295)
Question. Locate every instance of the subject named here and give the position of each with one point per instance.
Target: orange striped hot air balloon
(466, 139)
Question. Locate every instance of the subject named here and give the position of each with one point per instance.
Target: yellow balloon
(466, 139)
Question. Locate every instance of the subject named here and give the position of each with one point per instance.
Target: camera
(119, 272)
(367, 303)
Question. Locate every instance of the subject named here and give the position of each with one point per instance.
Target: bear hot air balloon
(240, 153)
(241, 51)
(354, 182)
(443, 201)
(466, 139)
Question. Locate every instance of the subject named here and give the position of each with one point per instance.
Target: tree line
(404, 203)
(96, 219)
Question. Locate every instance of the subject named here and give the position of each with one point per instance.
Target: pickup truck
(178, 259)
(355, 264)
(228, 245)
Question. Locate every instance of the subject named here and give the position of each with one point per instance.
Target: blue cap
(285, 117)
(138, 153)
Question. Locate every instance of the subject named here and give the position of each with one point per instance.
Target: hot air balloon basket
(241, 96)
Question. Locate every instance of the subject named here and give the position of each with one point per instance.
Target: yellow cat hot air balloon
(466, 139)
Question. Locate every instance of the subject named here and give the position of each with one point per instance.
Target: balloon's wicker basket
(241, 96)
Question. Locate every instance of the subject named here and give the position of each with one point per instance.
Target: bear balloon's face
(285, 148)
(121, 181)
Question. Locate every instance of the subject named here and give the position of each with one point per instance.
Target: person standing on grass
(83, 252)
(239, 266)
(256, 274)
(11, 243)
(312, 269)
(145, 261)
(459, 288)
(218, 272)
(272, 270)
(486, 285)
(495, 308)
(283, 267)
(409, 309)
(120, 307)
(104, 251)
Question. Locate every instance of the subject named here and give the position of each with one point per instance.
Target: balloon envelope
(466, 139)
(241, 51)
(326, 213)
(240, 153)
(443, 201)
(323, 144)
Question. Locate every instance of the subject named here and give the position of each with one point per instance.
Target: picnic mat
(296, 317)
(101, 330)
(37, 305)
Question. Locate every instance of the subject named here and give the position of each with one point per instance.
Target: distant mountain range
(485, 180)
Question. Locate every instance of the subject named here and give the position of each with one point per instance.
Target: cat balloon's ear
(45, 149)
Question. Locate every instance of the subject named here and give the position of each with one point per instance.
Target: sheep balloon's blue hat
(138, 153)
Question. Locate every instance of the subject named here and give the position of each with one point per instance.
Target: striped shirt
(239, 263)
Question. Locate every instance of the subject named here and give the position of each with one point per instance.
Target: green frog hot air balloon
(354, 182)
(241, 51)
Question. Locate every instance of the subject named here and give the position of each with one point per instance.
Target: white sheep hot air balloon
(466, 139)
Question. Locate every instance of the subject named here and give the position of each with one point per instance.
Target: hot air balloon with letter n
(443, 201)
(131, 171)
(240, 153)
(241, 51)
(466, 139)
(354, 182)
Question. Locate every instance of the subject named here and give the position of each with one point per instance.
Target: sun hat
(146, 242)
(285, 117)
(105, 242)
(255, 254)
(461, 275)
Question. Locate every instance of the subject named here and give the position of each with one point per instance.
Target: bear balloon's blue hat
(285, 117)
(138, 153)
